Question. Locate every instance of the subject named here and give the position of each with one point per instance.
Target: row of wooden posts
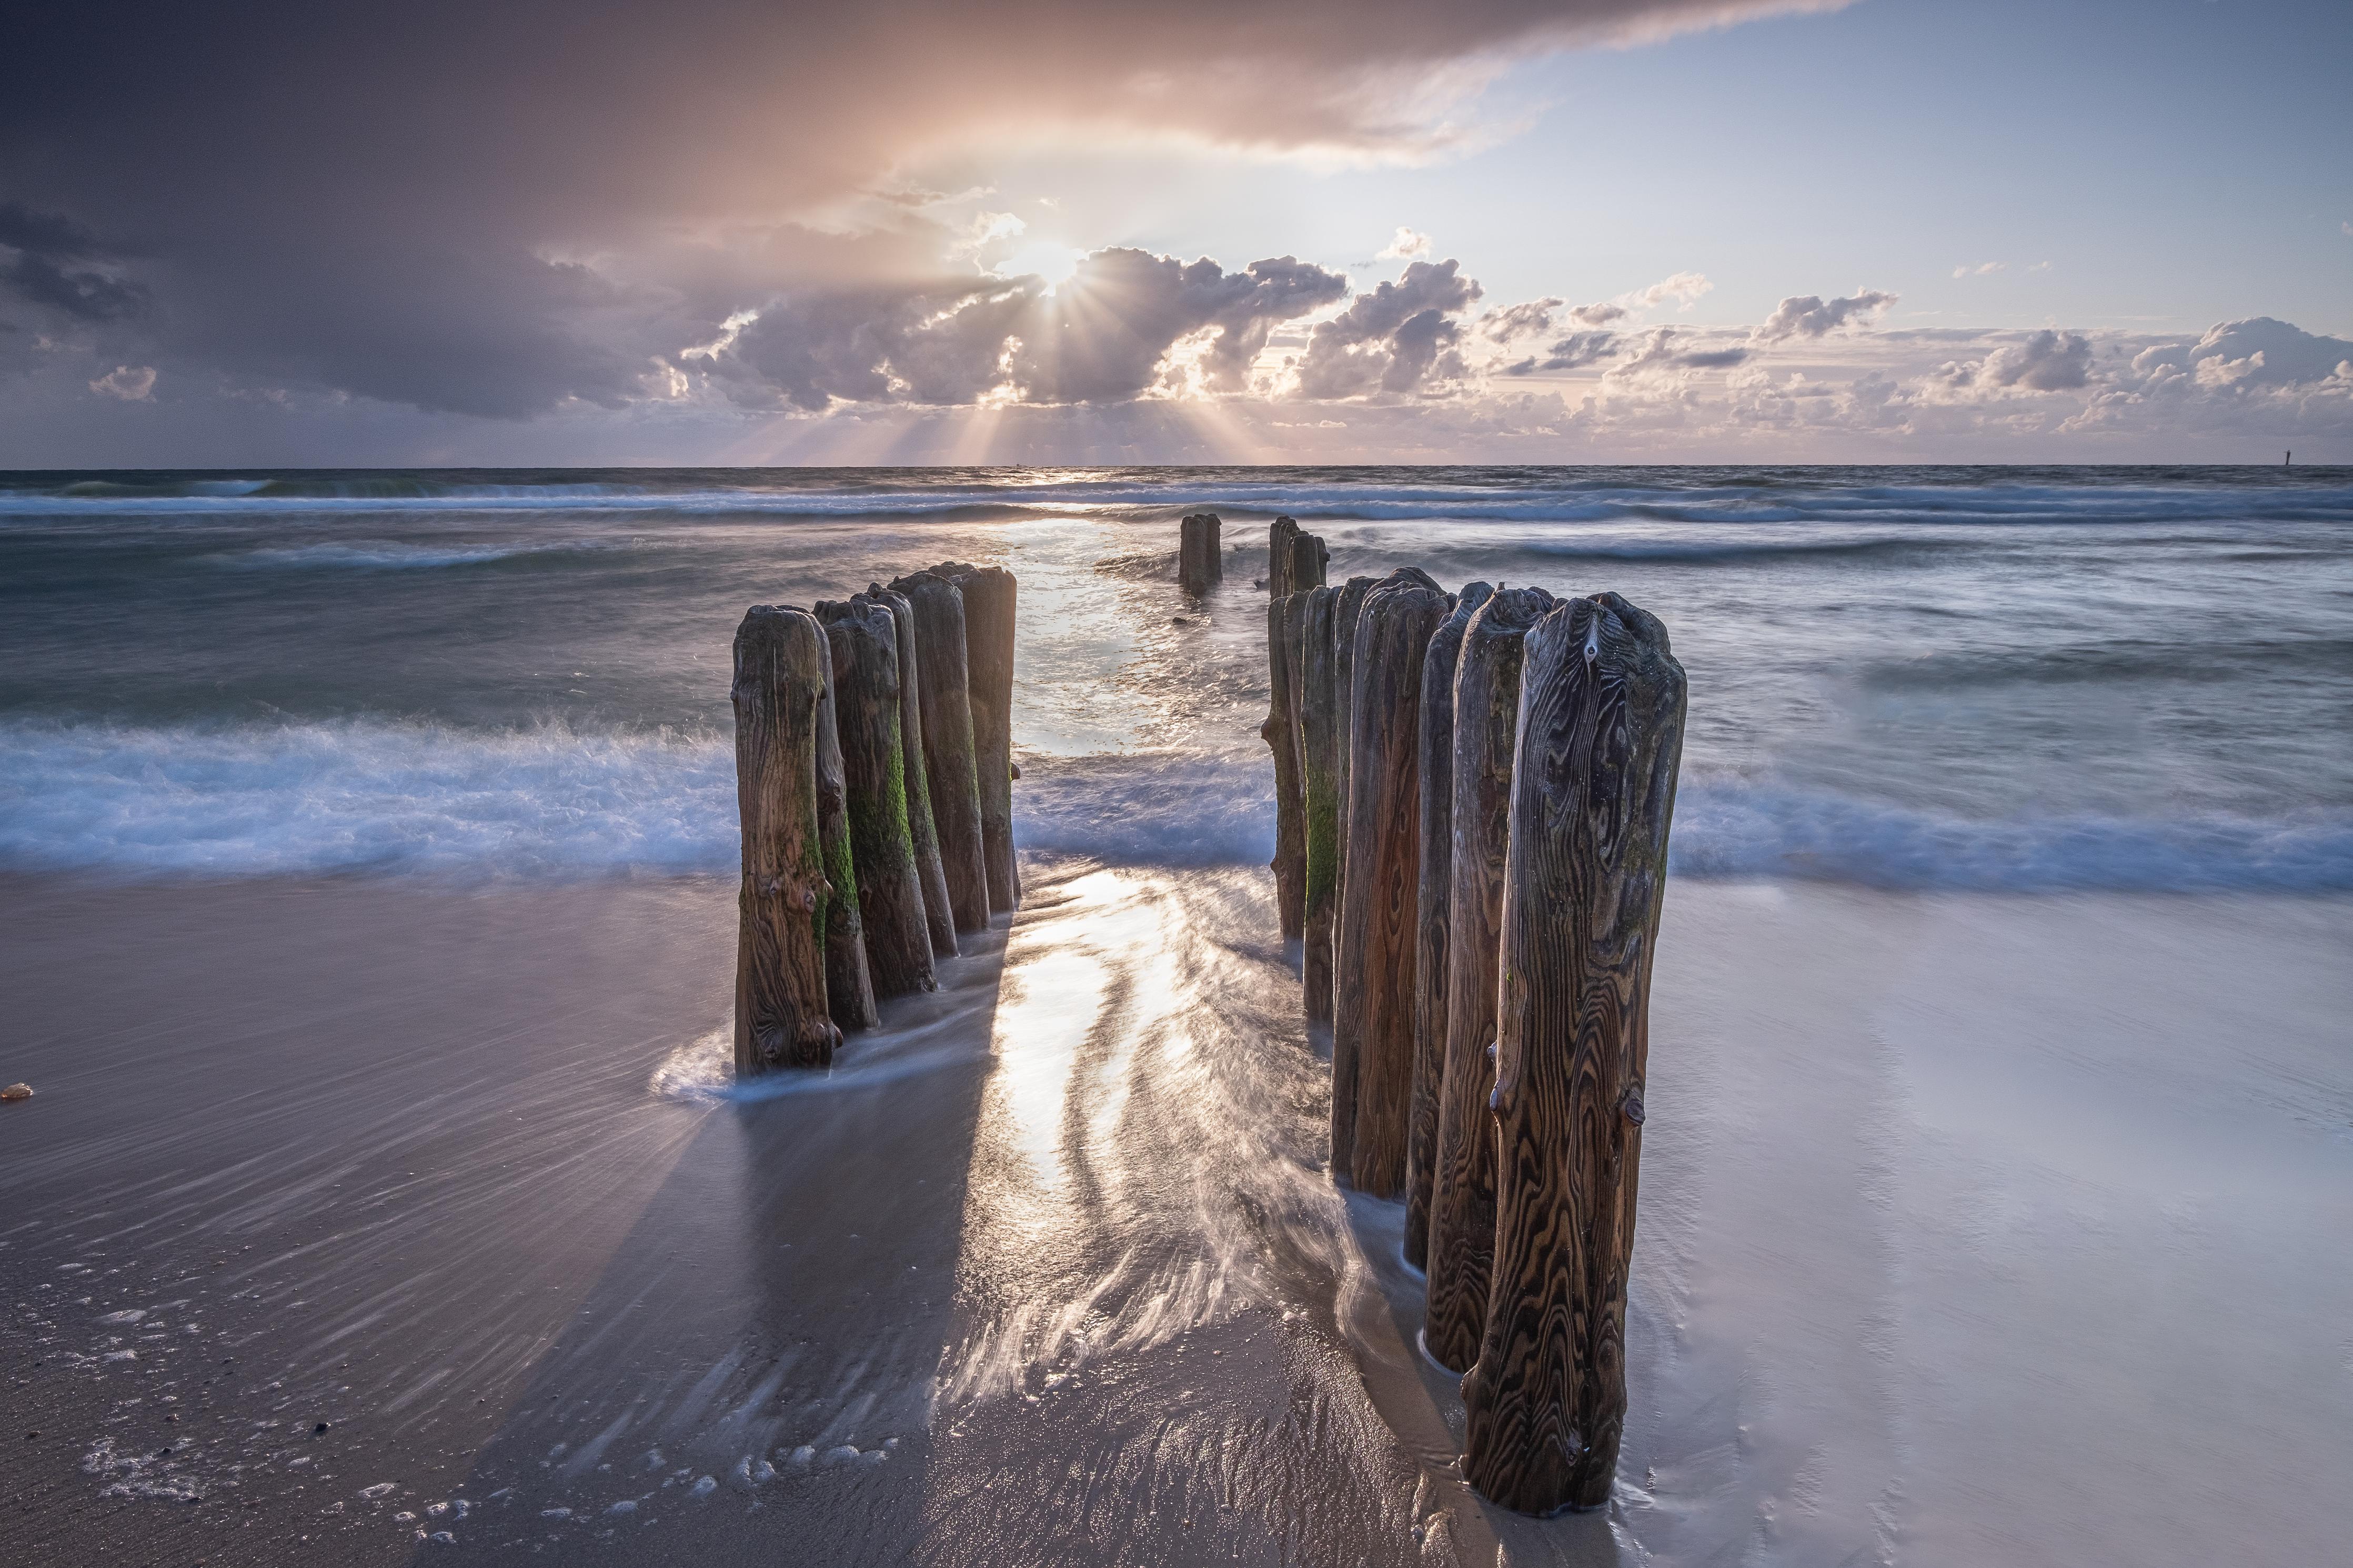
(1473, 793)
(873, 776)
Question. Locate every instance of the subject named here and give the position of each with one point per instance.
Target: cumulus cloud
(1105, 336)
(1399, 339)
(2046, 360)
(130, 383)
(1808, 316)
(1409, 245)
(2257, 353)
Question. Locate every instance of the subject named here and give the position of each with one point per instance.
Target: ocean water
(2130, 679)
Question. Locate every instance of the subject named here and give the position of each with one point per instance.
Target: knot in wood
(1630, 1107)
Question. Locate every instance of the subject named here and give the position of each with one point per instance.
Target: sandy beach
(1974, 1228)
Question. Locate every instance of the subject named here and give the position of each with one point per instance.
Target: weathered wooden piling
(1280, 535)
(1437, 807)
(989, 596)
(781, 1016)
(1200, 556)
(1280, 732)
(1345, 610)
(864, 640)
(1373, 982)
(941, 673)
(1600, 722)
(1309, 558)
(1319, 795)
(939, 915)
(849, 987)
(1463, 1177)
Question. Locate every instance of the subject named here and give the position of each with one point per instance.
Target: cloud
(2046, 360)
(2256, 353)
(1399, 339)
(1807, 316)
(1979, 270)
(430, 204)
(131, 383)
(52, 262)
(1663, 356)
(1409, 245)
(1531, 317)
(1105, 336)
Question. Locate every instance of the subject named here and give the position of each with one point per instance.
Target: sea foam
(244, 800)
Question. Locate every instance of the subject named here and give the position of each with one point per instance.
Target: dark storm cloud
(46, 260)
(495, 209)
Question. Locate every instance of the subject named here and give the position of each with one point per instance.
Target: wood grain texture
(941, 674)
(1280, 535)
(1310, 558)
(1280, 732)
(1373, 980)
(1600, 735)
(1347, 610)
(781, 1018)
(939, 916)
(1436, 773)
(1319, 792)
(864, 640)
(991, 595)
(1200, 553)
(849, 987)
(1462, 1176)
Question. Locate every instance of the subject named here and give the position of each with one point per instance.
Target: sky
(714, 231)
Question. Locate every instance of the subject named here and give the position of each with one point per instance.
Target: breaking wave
(548, 800)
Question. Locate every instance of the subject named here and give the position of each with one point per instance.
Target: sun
(1048, 258)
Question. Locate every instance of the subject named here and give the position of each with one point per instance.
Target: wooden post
(1593, 790)
(1309, 557)
(1280, 732)
(865, 644)
(941, 672)
(989, 594)
(1372, 983)
(1345, 611)
(1463, 1177)
(939, 916)
(1435, 773)
(849, 987)
(1279, 537)
(1200, 556)
(781, 1018)
(1319, 795)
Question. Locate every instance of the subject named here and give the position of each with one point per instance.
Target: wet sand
(1974, 1228)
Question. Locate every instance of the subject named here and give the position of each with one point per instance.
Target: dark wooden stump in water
(989, 595)
(1462, 1175)
(1373, 982)
(866, 686)
(849, 987)
(1435, 773)
(1200, 555)
(781, 1019)
(1309, 557)
(1347, 610)
(1280, 535)
(946, 690)
(1319, 795)
(1601, 721)
(939, 915)
(1280, 732)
